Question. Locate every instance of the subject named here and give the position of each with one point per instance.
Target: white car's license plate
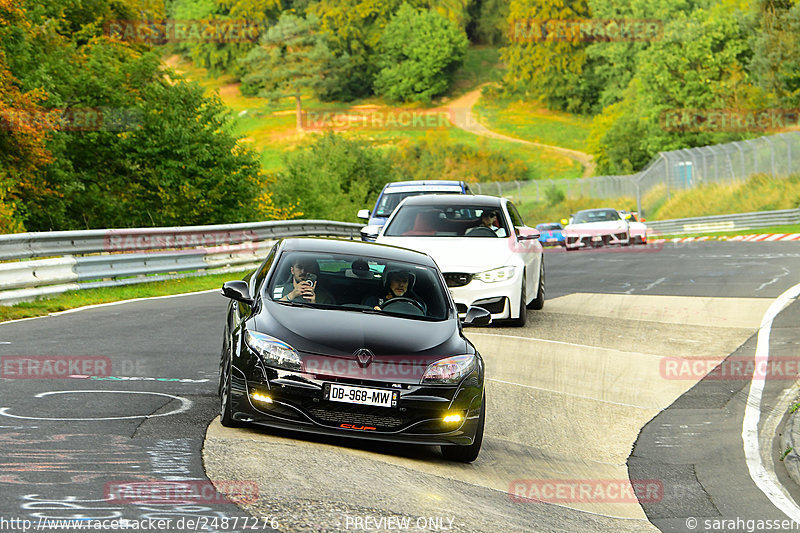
(361, 395)
(597, 238)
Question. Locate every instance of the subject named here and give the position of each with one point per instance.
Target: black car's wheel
(225, 410)
(520, 322)
(538, 302)
(467, 454)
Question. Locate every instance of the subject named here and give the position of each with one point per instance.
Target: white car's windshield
(604, 215)
(448, 221)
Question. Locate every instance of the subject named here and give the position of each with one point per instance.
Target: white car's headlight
(274, 352)
(495, 275)
(449, 371)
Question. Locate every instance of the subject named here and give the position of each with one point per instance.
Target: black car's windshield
(599, 215)
(390, 200)
(357, 283)
(447, 221)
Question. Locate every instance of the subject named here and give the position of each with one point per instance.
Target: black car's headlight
(274, 352)
(449, 371)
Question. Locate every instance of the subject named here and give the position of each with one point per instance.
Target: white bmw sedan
(488, 256)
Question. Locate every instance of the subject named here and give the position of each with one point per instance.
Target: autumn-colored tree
(23, 134)
(545, 56)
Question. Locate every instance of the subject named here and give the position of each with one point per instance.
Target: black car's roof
(454, 199)
(365, 249)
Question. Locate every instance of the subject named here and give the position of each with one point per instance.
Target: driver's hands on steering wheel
(401, 299)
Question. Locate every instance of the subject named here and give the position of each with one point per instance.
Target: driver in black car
(397, 284)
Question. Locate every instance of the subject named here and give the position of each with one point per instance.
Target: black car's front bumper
(296, 402)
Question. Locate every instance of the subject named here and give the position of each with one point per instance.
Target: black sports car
(352, 339)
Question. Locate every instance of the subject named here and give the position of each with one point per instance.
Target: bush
(436, 157)
(332, 178)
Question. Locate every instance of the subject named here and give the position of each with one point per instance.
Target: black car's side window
(261, 273)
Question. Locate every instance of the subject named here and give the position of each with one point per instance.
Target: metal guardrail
(99, 258)
(741, 221)
(59, 243)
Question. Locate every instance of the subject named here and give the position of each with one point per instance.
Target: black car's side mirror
(237, 290)
(477, 316)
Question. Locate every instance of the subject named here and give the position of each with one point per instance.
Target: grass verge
(80, 298)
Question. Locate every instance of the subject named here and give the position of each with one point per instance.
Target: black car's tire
(225, 409)
(538, 302)
(467, 454)
(520, 322)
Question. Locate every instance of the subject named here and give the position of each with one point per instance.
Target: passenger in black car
(303, 284)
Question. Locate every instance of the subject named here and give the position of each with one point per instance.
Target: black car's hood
(341, 333)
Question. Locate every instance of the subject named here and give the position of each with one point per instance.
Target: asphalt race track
(601, 414)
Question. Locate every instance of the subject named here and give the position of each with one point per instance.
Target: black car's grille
(457, 279)
(361, 415)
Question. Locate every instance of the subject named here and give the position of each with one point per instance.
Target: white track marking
(765, 480)
(107, 304)
(185, 405)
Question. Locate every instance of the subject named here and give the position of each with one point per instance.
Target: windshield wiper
(295, 303)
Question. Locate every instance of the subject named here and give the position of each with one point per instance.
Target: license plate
(552, 240)
(597, 238)
(360, 395)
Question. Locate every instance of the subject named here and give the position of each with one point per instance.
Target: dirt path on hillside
(461, 115)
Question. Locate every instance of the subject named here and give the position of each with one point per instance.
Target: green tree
(154, 151)
(545, 59)
(293, 57)
(332, 178)
(248, 19)
(615, 62)
(699, 65)
(419, 51)
(776, 55)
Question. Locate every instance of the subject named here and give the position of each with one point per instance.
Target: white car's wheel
(520, 321)
(538, 302)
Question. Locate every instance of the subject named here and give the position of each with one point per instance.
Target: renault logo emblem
(364, 357)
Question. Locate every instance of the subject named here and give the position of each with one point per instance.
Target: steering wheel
(403, 299)
(480, 231)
